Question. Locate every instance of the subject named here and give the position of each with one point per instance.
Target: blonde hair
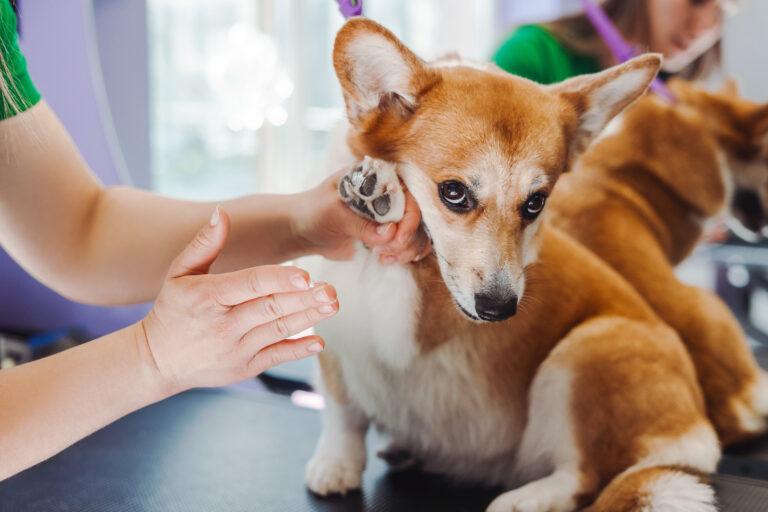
(632, 18)
(9, 92)
(8, 89)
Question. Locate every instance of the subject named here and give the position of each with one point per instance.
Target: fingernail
(384, 228)
(321, 295)
(300, 282)
(389, 260)
(315, 347)
(327, 309)
(215, 216)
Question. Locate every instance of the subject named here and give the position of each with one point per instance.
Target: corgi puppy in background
(639, 199)
(512, 355)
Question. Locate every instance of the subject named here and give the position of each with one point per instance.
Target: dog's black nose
(493, 308)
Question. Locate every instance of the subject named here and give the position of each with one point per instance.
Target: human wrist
(157, 384)
(298, 215)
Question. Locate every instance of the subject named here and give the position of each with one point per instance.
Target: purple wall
(58, 41)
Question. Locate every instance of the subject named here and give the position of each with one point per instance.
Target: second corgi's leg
(735, 387)
(339, 459)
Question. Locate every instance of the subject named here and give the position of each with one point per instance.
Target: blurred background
(206, 99)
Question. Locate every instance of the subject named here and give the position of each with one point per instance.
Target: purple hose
(619, 47)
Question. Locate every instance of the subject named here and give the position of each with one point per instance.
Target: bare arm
(49, 404)
(204, 330)
(114, 245)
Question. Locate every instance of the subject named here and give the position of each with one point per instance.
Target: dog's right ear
(596, 99)
(376, 71)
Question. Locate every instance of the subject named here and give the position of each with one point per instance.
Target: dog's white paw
(554, 493)
(333, 475)
(515, 501)
(373, 190)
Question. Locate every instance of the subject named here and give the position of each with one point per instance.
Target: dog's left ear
(377, 72)
(593, 100)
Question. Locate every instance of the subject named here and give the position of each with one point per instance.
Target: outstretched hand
(213, 330)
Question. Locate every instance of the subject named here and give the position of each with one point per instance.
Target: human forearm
(134, 235)
(49, 404)
(111, 245)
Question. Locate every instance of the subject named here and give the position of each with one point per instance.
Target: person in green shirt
(121, 245)
(686, 32)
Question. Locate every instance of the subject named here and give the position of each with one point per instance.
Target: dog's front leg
(339, 460)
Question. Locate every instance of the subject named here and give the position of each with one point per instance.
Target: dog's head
(741, 130)
(478, 148)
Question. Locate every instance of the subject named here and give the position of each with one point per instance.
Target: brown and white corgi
(639, 199)
(512, 356)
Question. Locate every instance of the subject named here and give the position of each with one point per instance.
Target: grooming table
(231, 451)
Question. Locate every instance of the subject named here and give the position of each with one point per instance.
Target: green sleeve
(532, 52)
(13, 67)
(524, 54)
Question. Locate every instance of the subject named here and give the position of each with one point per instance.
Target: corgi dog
(512, 356)
(639, 199)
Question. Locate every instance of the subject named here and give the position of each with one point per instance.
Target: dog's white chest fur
(435, 405)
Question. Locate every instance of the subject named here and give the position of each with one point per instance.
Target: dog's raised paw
(373, 190)
(330, 475)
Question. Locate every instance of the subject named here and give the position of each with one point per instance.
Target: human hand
(213, 330)
(328, 227)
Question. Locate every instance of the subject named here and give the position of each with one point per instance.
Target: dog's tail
(657, 489)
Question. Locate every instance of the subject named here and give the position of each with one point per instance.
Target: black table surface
(234, 451)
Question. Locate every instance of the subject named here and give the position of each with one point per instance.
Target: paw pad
(373, 190)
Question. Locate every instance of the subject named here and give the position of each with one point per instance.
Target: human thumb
(198, 256)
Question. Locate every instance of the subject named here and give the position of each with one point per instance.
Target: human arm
(113, 245)
(204, 330)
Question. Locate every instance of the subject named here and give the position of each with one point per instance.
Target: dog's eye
(456, 196)
(533, 206)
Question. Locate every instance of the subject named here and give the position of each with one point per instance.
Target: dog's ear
(596, 99)
(376, 71)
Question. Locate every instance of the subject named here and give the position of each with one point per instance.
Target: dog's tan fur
(639, 199)
(585, 388)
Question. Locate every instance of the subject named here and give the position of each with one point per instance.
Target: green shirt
(532, 52)
(14, 66)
